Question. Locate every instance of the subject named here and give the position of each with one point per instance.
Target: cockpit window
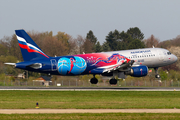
(168, 53)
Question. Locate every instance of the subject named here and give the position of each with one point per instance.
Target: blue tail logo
(29, 48)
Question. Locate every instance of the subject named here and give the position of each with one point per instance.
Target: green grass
(97, 116)
(89, 99)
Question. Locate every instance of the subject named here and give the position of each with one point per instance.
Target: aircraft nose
(175, 58)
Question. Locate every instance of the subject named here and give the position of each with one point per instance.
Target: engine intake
(138, 71)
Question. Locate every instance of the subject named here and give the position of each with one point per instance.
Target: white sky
(76, 17)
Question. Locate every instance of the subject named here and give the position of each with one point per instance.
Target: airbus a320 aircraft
(133, 62)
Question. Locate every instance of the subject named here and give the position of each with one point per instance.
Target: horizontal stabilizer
(14, 64)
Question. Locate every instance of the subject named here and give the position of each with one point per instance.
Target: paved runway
(91, 88)
(37, 111)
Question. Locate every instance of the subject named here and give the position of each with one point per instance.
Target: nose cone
(174, 58)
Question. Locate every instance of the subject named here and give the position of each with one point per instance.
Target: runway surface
(91, 88)
(37, 111)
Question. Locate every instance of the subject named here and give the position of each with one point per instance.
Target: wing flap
(120, 67)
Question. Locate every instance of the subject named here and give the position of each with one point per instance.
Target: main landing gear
(94, 80)
(113, 81)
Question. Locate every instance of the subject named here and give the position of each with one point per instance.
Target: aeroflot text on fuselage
(143, 51)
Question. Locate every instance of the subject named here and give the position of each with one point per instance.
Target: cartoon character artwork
(115, 59)
(108, 63)
(72, 61)
(71, 65)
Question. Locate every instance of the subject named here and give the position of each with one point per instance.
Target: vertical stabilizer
(29, 48)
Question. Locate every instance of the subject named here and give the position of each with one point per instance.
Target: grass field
(88, 116)
(89, 99)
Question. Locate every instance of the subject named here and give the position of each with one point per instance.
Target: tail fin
(29, 48)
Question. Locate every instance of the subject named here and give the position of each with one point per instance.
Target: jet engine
(138, 71)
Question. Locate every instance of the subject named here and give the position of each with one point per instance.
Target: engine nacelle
(138, 71)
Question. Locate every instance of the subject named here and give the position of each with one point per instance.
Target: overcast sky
(76, 17)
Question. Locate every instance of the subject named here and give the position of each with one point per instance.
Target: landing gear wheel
(156, 72)
(113, 81)
(94, 80)
(157, 76)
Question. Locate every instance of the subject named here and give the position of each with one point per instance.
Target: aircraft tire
(94, 80)
(157, 76)
(113, 81)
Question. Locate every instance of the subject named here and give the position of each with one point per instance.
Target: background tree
(15, 50)
(151, 41)
(111, 40)
(92, 40)
(136, 44)
(164, 75)
(98, 47)
(91, 37)
(80, 40)
(131, 39)
(105, 47)
(135, 33)
(88, 46)
(64, 38)
(5, 42)
(125, 40)
(73, 46)
(171, 67)
(3, 50)
(54, 47)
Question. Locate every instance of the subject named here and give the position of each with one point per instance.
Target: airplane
(134, 62)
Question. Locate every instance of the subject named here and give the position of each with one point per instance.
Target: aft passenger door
(53, 65)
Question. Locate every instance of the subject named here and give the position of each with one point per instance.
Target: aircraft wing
(119, 67)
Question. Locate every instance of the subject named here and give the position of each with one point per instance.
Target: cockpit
(169, 53)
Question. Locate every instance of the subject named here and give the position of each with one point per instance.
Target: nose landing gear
(156, 72)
